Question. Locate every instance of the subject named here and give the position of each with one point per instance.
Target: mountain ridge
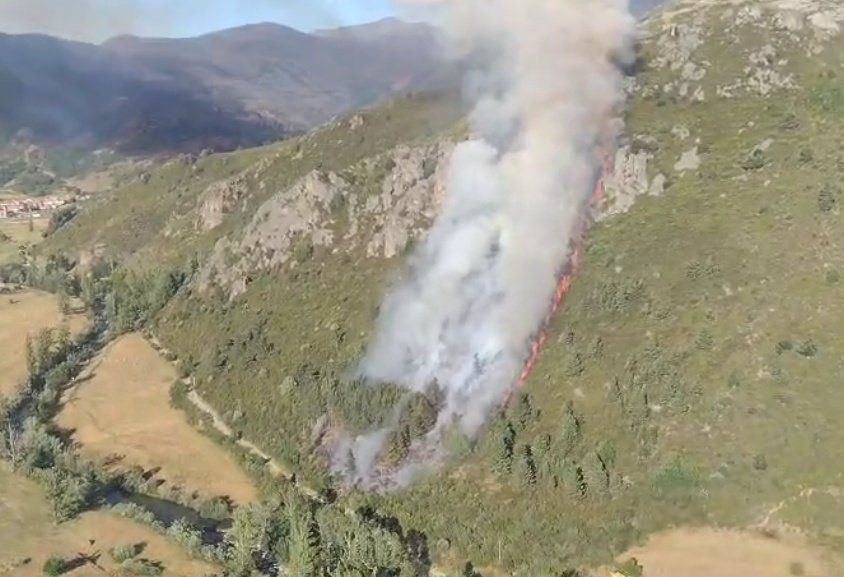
(226, 89)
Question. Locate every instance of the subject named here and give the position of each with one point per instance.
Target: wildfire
(566, 278)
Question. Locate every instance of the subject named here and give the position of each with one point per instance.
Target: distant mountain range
(237, 87)
(234, 88)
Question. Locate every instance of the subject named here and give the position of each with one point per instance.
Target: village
(32, 206)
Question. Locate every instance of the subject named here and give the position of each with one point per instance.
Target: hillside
(691, 377)
(237, 87)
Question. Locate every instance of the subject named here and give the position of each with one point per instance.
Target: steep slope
(233, 88)
(691, 376)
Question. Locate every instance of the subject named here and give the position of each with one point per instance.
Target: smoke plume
(544, 83)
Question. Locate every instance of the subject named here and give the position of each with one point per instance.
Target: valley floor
(29, 535)
(23, 314)
(120, 412)
(706, 552)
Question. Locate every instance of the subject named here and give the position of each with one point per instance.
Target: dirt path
(119, 412)
(197, 401)
(276, 469)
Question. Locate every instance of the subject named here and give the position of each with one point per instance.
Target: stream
(165, 512)
(168, 512)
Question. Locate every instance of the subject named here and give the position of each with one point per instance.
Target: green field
(17, 233)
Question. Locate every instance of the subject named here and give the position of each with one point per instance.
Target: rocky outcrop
(679, 35)
(287, 226)
(409, 198)
(328, 210)
(628, 181)
(219, 199)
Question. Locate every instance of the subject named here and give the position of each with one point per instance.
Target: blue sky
(96, 20)
(301, 14)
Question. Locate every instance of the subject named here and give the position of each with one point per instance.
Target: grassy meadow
(17, 233)
(29, 535)
(120, 412)
(23, 314)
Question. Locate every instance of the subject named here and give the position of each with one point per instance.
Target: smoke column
(544, 83)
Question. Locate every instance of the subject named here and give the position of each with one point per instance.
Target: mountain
(237, 87)
(692, 376)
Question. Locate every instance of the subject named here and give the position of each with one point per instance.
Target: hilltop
(238, 87)
(691, 376)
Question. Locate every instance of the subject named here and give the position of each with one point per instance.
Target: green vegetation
(54, 566)
(692, 375)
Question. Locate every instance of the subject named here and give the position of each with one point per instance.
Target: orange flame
(566, 279)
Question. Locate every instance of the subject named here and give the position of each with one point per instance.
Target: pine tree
(616, 392)
(524, 411)
(572, 429)
(247, 536)
(573, 480)
(527, 467)
(506, 448)
(31, 360)
(304, 556)
(43, 349)
(596, 476)
(543, 459)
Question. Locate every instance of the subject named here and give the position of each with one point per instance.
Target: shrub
(54, 566)
(215, 508)
(807, 349)
(187, 536)
(754, 161)
(806, 156)
(827, 198)
(705, 341)
(631, 568)
(69, 493)
(784, 346)
(676, 476)
(122, 553)
(790, 122)
(141, 568)
(135, 513)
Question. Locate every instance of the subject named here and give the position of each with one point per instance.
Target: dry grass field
(14, 233)
(22, 314)
(718, 553)
(28, 531)
(121, 413)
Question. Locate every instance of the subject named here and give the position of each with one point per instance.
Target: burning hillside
(469, 317)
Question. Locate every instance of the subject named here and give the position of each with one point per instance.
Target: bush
(54, 566)
(123, 553)
(677, 476)
(216, 508)
(69, 493)
(754, 161)
(784, 346)
(806, 156)
(807, 349)
(136, 513)
(790, 122)
(141, 568)
(827, 198)
(187, 536)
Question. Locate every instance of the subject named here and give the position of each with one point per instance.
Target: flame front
(566, 279)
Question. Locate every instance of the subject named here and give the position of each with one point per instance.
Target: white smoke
(544, 83)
